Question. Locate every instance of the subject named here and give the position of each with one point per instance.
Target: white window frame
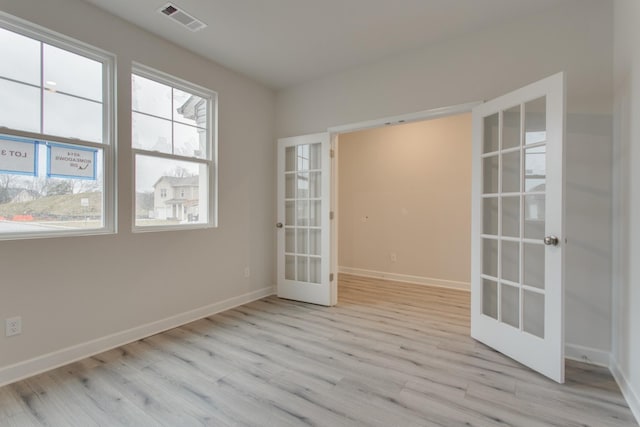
(108, 145)
(212, 150)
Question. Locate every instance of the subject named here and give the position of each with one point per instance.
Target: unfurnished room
(336, 213)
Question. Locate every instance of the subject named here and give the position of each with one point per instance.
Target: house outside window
(174, 143)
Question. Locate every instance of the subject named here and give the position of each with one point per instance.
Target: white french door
(303, 223)
(517, 277)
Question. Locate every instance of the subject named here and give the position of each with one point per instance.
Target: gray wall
(626, 345)
(70, 291)
(575, 37)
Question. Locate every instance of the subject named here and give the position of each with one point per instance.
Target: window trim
(109, 130)
(211, 159)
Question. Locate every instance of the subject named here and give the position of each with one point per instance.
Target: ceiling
(286, 42)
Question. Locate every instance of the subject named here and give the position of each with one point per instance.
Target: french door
(303, 222)
(517, 277)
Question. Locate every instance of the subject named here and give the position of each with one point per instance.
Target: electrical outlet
(393, 256)
(247, 272)
(13, 326)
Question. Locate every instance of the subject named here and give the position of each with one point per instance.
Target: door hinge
(332, 153)
(331, 277)
(331, 215)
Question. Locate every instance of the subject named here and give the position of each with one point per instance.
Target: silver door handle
(279, 225)
(551, 241)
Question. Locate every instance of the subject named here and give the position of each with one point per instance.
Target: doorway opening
(403, 201)
(432, 126)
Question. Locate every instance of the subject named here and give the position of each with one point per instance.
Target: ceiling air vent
(182, 17)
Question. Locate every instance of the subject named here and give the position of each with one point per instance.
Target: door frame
(334, 134)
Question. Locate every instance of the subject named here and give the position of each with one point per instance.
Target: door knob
(551, 241)
(279, 225)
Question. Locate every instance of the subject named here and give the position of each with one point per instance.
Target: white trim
(631, 396)
(405, 118)
(592, 356)
(37, 365)
(406, 278)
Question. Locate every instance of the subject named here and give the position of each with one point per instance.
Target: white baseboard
(589, 355)
(37, 365)
(632, 396)
(418, 280)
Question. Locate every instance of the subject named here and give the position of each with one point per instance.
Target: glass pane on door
(303, 206)
(533, 312)
(513, 211)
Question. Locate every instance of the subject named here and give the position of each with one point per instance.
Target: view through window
(54, 135)
(172, 138)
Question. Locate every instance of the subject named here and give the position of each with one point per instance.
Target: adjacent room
(404, 202)
(340, 213)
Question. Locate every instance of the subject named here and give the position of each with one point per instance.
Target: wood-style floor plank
(389, 354)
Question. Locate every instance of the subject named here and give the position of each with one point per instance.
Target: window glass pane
(535, 121)
(302, 245)
(290, 186)
(20, 57)
(511, 128)
(19, 106)
(490, 257)
(510, 305)
(31, 204)
(534, 216)
(189, 141)
(315, 271)
(511, 172)
(511, 216)
(302, 213)
(315, 183)
(168, 191)
(151, 133)
(290, 267)
(189, 109)
(315, 154)
(535, 164)
(290, 163)
(490, 174)
(70, 73)
(534, 265)
(303, 185)
(52, 92)
(314, 241)
(72, 117)
(302, 269)
(315, 218)
(303, 157)
(290, 213)
(510, 261)
(491, 134)
(290, 240)
(490, 215)
(533, 313)
(175, 122)
(490, 298)
(150, 97)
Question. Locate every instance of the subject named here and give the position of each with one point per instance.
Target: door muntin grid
(303, 207)
(513, 216)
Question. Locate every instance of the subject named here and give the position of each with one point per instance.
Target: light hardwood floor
(389, 354)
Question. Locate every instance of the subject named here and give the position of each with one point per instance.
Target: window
(173, 140)
(56, 130)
